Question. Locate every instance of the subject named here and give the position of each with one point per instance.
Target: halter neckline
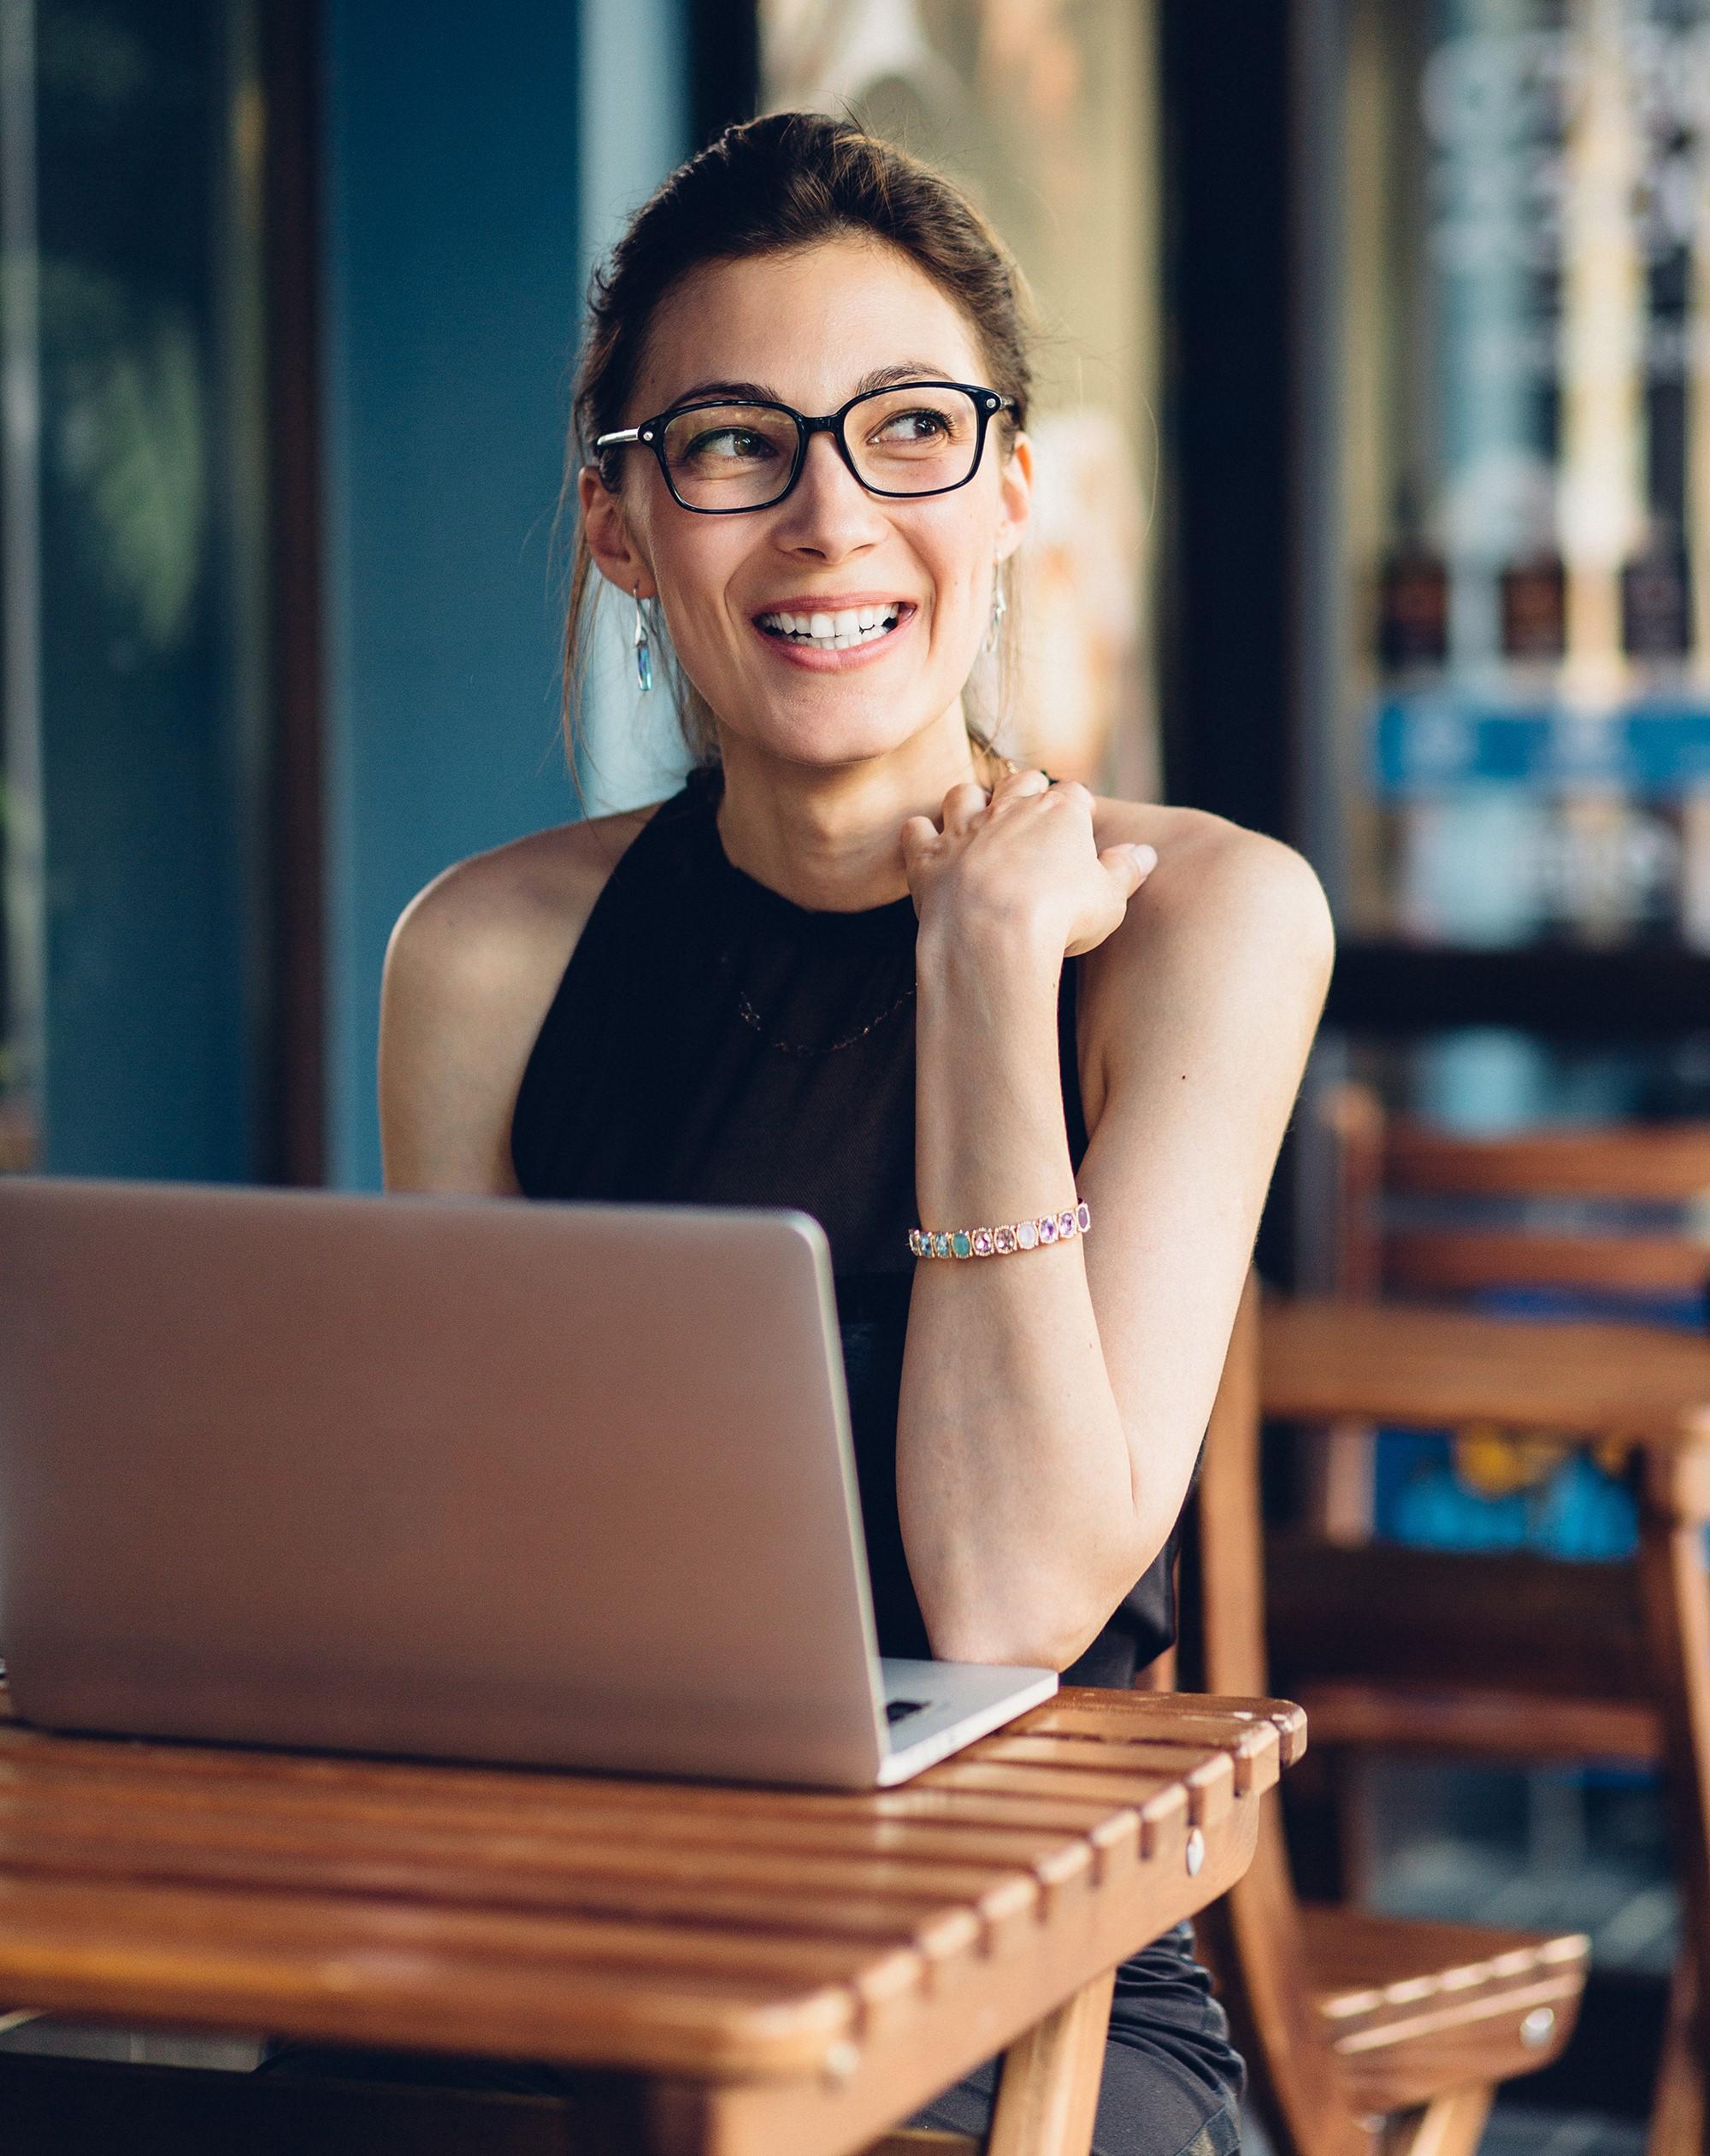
(891, 922)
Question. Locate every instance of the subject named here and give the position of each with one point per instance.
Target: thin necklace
(752, 1017)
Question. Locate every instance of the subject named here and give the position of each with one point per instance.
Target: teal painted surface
(149, 941)
(453, 279)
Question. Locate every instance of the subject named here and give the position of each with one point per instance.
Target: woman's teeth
(834, 631)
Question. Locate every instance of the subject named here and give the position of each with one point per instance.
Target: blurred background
(1374, 436)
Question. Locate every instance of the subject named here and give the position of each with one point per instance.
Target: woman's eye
(729, 441)
(922, 425)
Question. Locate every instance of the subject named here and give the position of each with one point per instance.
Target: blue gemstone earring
(1000, 608)
(643, 648)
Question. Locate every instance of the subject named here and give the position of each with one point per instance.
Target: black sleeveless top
(711, 1042)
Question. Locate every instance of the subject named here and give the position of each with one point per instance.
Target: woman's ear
(1014, 497)
(607, 531)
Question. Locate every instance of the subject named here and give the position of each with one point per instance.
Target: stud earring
(1000, 608)
(643, 644)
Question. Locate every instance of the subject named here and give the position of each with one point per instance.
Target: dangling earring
(644, 649)
(1000, 608)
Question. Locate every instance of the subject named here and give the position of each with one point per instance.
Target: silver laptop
(555, 1484)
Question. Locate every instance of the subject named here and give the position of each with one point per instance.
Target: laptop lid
(460, 1477)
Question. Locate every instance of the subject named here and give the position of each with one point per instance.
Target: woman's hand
(1021, 861)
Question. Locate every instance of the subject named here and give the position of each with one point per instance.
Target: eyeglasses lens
(730, 456)
(913, 441)
(901, 441)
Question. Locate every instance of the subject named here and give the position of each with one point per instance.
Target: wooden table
(1636, 1638)
(746, 1973)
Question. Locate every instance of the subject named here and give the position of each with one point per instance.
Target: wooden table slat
(187, 1957)
(504, 1861)
(936, 1928)
(1209, 1786)
(1082, 1750)
(880, 1960)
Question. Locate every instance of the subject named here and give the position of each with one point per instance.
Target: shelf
(1624, 992)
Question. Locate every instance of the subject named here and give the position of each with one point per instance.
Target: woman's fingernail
(1144, 856)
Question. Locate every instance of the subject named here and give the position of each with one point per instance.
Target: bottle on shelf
(1656, 603)
(1533, 593)
(1413, 599)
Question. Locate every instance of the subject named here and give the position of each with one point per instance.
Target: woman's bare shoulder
(520, 904)
(1212, 856)
(471, 967)
(1229, 915)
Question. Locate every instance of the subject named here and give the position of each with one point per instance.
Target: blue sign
(1436, 741)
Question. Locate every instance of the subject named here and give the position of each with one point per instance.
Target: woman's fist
(1021, 861)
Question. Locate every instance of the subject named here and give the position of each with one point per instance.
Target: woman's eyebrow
(906, 370)
(736, 392)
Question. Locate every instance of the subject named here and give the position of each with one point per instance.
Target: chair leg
(1452, 2125)
(1048, 2090)
(1680, 2118)
(1354, 1803)
(1675, 1592)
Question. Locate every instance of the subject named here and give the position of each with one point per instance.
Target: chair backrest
(1621, 1209)
(1253, 1936)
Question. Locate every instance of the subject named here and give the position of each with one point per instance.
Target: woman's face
(810, 329)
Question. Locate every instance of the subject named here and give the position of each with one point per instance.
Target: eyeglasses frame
(650, 433)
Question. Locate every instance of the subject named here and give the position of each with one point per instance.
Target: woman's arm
(1053, 1404)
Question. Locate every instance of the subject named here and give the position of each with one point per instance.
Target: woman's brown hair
(770, 186)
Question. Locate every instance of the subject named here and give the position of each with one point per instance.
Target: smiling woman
(860, 966)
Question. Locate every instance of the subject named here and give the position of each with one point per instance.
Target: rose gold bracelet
(999, 1242)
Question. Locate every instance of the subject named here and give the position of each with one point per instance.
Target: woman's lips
(823, 661)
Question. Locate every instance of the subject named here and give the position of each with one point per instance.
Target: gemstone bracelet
(998, 1242)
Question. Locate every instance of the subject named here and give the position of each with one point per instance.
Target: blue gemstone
(644, 666)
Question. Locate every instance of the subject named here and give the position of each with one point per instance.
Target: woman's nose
(827, 511)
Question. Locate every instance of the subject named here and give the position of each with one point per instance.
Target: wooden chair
(1576, 1182)
(1520, 1657)
(1621, 1211)
(1362, 2034)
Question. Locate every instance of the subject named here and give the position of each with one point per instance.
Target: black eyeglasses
(721, 456)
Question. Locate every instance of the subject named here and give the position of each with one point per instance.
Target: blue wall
(452, 291)
(473, 160)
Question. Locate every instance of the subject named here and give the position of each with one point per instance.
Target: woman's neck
(829, 838)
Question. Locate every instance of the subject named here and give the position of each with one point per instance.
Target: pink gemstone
(983, 1242)
(1005, 1240)
(1084, 1215)
(1026, 1234)
(1066, 1224)
(1047, 1229)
